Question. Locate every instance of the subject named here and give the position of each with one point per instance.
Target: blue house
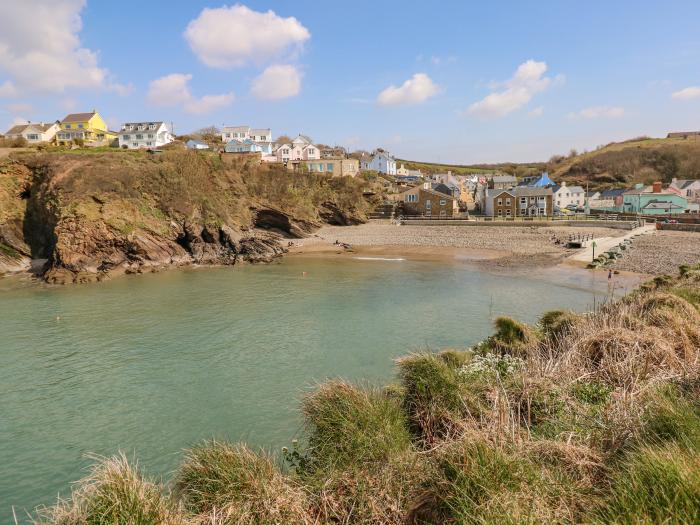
(248, 146)
(538, 181)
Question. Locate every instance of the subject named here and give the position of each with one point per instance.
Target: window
(329, 166)
(67, 126)
(508, 212)
(149, 143)
(80, 126)
(443, 202)
(411, 198)
(126, 137)
(428, 204)
(443, 213)
(500, 202)
(135, 144)
(139, 137)
(32, 136)
(150, 135)
(507, 202)
(523, 200)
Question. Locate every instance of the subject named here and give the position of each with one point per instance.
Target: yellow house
(88, 127)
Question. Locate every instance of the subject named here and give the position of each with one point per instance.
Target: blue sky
(445, 81)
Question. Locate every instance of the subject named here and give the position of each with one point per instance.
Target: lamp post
(593, 244)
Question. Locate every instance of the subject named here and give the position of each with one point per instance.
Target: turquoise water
(152, 364)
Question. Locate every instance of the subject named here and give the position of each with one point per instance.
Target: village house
(502, 182)
(340, 167)
(653, 200)
(34, 133)
(689, 188)
(242, 133)
(606, 199)
(426, 202)
(89, 128)
(148, 135)
(300, 149)
(521, 201)
(683, 134)
(380, 161)
(537, 181)
(568, 196)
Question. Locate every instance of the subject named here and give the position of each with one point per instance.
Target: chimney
(657, 187)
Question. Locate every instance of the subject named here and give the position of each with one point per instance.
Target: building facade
(300, 149)
(689, 188)
(144, 135)
(425, 202)
(566, 196)
(335, 167)
(89, 128)
(653, 200)
(379, 161)
(521, 201)
(246, 132)
(34, 133)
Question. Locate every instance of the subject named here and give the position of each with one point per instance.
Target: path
(603, 244)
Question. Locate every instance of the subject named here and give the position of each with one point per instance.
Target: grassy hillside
(590, 418)
(642, 160)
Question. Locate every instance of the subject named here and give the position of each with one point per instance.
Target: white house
(690, 189)
(380, 161)
(564, 196)
(301, 148)
(136, 135)
(34, 133)
(246, 132)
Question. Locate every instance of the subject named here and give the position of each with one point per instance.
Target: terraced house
(89, 128)
(425, 202)
(144, 135)
(521, 201)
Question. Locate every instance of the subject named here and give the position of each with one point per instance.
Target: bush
(114, 493)
(353, 426)
(241, 486)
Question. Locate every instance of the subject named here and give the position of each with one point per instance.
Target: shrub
(511, 337)
(352, 426)
(242, 487)
(435, 396)
(558, 322)
(113, 493)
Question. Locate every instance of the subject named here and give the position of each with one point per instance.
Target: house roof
(661, 205)
(236, 128)
(303, 138)
(612, 193)
(20, 128)
(432, 192)
(78, 117)
(682, 184)
(573, 189)
(128, 131)
(261, 131)
(527, 191)
(504, 178)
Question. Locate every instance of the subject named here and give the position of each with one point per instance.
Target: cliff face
(93, 215)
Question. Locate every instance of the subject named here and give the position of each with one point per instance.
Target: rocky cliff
(92, 215)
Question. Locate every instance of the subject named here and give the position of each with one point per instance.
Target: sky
(451, 81)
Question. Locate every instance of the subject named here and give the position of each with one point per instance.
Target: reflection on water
(152, 364)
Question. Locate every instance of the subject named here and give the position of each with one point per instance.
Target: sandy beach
(496, 246)
(499, 247)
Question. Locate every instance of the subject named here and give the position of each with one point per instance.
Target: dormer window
(67, 126)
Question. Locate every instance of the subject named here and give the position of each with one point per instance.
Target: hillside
(642, 160)
(96, 213)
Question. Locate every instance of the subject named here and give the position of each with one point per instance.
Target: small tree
(210, 133)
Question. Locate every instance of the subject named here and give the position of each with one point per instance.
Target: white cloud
(173, 90)
(277, 82)
(527, 81)
(40, 49)
(599, 112)
(536, 112)
(687, 93)
(234, 36)
(415, 90)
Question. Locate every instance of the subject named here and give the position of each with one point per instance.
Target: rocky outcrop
(95, 216)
